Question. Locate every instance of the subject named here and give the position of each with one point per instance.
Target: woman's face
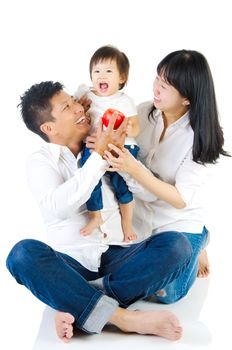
(166, 97)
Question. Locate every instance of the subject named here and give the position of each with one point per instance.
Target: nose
(102, 75)
(156, 89)
(78, 108)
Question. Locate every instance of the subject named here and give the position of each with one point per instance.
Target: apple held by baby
(108, 114)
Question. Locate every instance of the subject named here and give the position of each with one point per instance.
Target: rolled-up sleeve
(191, 177)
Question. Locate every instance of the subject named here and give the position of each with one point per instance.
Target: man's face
(70, 125)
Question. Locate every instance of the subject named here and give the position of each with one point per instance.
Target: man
(89, 282)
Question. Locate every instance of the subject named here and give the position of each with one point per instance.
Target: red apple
(108, 114)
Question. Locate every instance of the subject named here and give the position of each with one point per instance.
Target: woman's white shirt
(172, 160)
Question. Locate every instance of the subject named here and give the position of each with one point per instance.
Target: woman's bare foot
(95, 221)
(203, 265)
(64, 327)
(160, 323)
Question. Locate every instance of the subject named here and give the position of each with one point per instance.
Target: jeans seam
(110, 291)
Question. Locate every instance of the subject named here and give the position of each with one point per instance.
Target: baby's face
(106, 78)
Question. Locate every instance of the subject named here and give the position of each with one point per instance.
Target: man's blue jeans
(129, 274)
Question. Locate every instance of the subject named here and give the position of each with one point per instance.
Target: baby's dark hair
(112, 53)
(35, 105)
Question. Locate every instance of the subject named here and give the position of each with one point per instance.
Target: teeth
(80, 120)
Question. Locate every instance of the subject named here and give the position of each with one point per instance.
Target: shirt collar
(58, 150)
(183, 121)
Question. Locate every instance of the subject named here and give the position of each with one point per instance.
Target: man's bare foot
(64, 327)
(161, 323)
(203, 265)
(95, 221)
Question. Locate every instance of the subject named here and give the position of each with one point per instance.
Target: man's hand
(109, 135)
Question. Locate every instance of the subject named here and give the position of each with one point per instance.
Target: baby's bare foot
(131, 236)
(203, 265)
(94, 222)
(64, 327)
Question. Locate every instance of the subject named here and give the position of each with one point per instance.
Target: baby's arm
(133, 126)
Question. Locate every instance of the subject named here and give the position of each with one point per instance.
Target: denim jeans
(178, 288)
(119, 185)
(129, 274)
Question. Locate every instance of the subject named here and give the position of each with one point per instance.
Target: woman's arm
(125, 162)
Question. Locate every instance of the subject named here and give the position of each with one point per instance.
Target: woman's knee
(182, 248)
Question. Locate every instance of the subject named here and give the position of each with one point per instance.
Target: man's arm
(57, 195)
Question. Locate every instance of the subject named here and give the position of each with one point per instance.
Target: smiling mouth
(103, 86)
(81, 120)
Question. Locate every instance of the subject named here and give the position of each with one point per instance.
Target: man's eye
(109, 71)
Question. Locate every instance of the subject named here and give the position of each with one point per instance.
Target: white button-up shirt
(172, 160)
(61, 188)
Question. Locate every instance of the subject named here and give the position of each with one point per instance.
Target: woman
(179, 141)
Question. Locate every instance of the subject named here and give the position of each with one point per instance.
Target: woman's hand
(120, 160)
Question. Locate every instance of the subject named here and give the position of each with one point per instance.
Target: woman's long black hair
(189, 73)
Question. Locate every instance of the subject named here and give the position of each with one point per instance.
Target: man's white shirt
(61, 189)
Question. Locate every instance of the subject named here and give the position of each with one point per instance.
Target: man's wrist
(100, 151)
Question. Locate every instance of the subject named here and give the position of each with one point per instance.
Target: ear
(47, 128)
(122, 79)
(186, 102)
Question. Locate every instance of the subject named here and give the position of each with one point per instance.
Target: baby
(109, 70)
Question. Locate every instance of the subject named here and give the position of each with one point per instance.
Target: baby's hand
(85, 102)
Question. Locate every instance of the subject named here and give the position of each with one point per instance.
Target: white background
(54, 40)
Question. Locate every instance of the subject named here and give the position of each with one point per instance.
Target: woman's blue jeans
(178, 288)
(129, 274)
